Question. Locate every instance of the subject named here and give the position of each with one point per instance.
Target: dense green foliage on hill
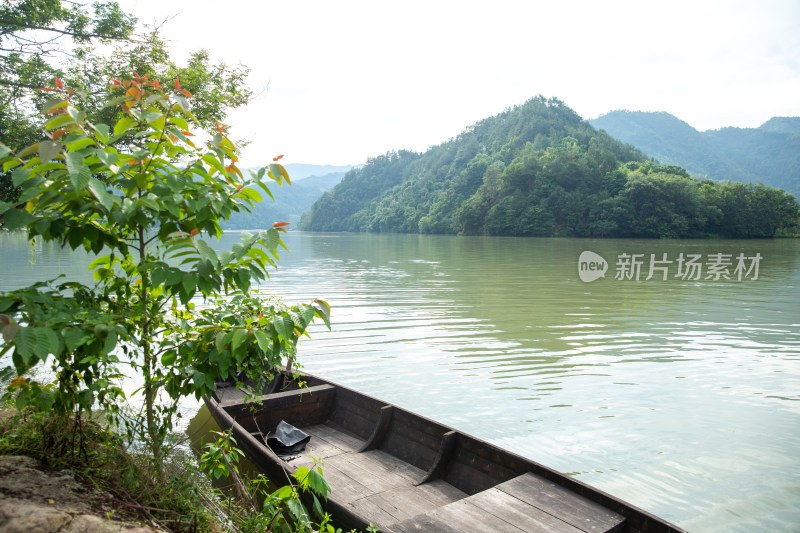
(769, 154)
(540, 170)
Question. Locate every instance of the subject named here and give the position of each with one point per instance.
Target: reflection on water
(682, 397)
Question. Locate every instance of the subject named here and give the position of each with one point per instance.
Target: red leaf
(194, 232)
(57, 134)
(177, 84)
(59, 83)
(280, 224)
(278, 158)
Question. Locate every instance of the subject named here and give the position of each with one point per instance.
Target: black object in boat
(287, 439)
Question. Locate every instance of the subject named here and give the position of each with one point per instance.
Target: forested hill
(769, 154)
(540, 170)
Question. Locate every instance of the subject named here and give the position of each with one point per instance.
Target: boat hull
(404, 472)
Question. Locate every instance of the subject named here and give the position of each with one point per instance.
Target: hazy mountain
(301, 171)
(769, 154)
(290, 201)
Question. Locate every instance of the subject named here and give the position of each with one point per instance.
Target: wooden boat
(403, 472)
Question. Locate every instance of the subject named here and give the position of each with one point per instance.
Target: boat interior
(408, 473)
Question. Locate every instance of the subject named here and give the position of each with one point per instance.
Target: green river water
(680, 395)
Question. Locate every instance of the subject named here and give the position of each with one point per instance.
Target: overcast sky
(349, 80)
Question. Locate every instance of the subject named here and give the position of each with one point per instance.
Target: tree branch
(17, 84)
(62, 32)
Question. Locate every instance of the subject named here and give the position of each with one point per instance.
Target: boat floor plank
(375, 470)
(344, 488)
(334, 435)
(527, 517)
(466, 517)
(372, 483)
(568, 506)
(402, 503)
(524, 503)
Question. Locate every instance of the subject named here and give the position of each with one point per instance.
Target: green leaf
(19, 176)
(25, 344)
(110, 343)
(53, 103)
(85, 399)
(224, 362)
(4, 150)
(189, 283)
(273, 239)
(283, 493)
(318, 483)
(214, 162)
(279, 173)
(108, 158)
(298, 511)
(60, 120)
(183, 103)
(76, 115)
(285, 327)
(74, 337)
(48, 150)
(206, 252)
(106, 199)
(6, 304)
(79, 173)
(78, 144)
(46, 342)
(8, 165)
(263, 340)
(220, 341)
(174, 276)
(102, 130)
(199, 379)
(17, 218)
(240, 335)
(124, 124)
(325, 310)
(4, 206)
(169, 358)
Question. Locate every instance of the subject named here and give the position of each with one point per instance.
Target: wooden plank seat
(525, 503)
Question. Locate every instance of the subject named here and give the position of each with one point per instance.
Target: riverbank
(34, 497)
(71, 476)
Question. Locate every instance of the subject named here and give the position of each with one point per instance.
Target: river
(680, 395)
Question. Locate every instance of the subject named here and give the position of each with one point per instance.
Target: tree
(34, 35)
(44, 39)
(142, 195)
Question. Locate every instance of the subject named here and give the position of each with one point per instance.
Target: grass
(178, 499)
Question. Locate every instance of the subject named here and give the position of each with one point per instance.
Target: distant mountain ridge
(539, 169)
(291, 201)
(769, 154)
(301, 171)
